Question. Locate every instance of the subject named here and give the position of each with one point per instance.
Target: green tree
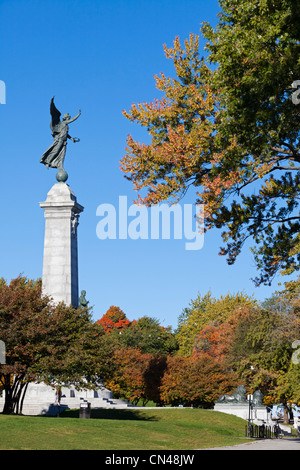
(227, 126)
(149, 336)
(261, 351)
(53, 344)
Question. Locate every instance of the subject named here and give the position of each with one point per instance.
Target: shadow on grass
(126, 415)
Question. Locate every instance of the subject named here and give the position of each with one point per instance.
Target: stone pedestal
(257, 413)
(60, 262)
(238, 409)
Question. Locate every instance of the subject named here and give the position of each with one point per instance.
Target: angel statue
(55, 154)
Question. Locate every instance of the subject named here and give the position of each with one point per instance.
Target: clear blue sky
(100, 56)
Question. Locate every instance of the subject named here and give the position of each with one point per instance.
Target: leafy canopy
(207, 311)
(227, 126)
(55, 344)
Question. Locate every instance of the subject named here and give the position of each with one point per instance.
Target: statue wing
(55, 115)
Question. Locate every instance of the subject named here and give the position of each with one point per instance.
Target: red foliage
(114, 318)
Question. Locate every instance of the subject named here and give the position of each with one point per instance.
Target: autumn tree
(226, 125)
(256, 343)
(128, 379)
(286, 304)
(206, 311)
(153, 377)
(146, 336)
(261, 354)
(197, 381)
(53, 344)
(113, 319)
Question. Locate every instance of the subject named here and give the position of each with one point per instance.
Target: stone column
(60, 262)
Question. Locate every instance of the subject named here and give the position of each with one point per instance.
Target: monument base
(257, 413)
(41, 399)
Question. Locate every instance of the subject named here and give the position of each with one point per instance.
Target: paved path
(265, 444)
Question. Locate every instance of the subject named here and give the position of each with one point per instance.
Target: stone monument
(60, 274)
(61, 210)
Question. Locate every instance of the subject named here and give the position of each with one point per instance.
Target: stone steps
(31, 408)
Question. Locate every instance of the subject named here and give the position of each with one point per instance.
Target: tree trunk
(286, 414)
(13, 394)
(21, 396)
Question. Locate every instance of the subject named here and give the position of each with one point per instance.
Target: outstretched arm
(74, 139)
(74, 118)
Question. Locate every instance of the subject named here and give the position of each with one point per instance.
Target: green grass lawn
(161, 429)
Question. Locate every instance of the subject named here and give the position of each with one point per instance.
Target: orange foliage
(196, 380)
(128, 380)
(215, 341)
(113, 319)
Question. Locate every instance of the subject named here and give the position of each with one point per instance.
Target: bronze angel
(55, 154)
